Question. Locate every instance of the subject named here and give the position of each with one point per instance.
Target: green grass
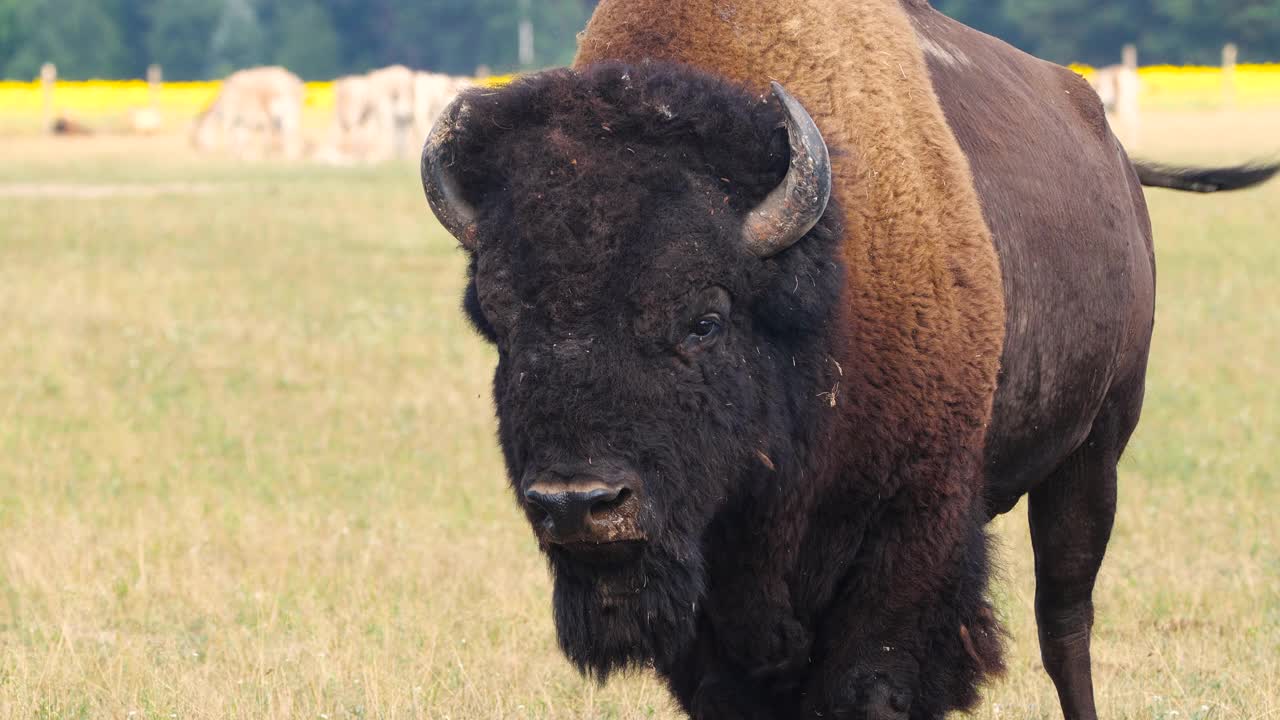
(247, 465)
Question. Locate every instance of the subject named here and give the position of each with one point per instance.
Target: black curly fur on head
(647, 126)
(610, 203)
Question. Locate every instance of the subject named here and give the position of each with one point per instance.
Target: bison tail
(1204, 180)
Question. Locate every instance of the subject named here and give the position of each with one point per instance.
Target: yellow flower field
(1163, 87)
(107, 97)
(1198, 86)
(110, 97)
(106, 104)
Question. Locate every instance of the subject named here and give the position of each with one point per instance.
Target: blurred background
(247, 455)
(322, 39)
(151, 66)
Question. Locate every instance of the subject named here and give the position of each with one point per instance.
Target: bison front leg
(709, 688)
(750, 600)
(759, 631)
(917, 635)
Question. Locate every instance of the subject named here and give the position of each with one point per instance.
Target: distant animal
(352, 102)
(256, 110)
(374, 114)
(392, 111)
(770, 356)
(63, 125)
(145, 121)
(353, 109)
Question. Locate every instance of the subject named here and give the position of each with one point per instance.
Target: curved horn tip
(444, 195)
(794, 207)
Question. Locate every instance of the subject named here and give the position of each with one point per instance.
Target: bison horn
(796, 205)
(440, 184)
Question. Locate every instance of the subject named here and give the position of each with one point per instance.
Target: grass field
(247, 466)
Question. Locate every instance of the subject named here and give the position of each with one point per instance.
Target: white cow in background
(352, 103)
(374, 115)
(392, 112)
(352, 136)
(386, 113)
(256, 111)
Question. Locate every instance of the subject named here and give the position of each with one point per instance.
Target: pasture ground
(247, 466)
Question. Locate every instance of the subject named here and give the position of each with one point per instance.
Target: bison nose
(570, 510)
(583, 509)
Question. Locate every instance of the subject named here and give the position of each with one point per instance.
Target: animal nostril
(538, 512)
(612, 502)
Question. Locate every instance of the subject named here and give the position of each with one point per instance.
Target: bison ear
(796, 205)
(439, 180)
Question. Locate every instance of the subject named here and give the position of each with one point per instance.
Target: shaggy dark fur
(610, 205)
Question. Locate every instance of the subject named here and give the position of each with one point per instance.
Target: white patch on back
(943, 52)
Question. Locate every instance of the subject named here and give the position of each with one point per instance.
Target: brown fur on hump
(925, 305)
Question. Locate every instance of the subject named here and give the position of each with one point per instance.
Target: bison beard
(599, 204)
(610, 619)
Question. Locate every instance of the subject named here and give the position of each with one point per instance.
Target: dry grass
(247, 465)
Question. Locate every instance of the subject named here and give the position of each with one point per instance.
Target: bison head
(650, 256)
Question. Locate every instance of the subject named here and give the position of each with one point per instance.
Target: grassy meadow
(247, 465)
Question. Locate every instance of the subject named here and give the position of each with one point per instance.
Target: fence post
(48, 80)
(1230, 54)
(155, 78)
(1128, 87)
(525, 37)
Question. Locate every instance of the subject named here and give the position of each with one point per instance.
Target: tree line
(318, 39)
(1175, 32)
(321, 39)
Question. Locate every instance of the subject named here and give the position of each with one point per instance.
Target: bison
(772, 354)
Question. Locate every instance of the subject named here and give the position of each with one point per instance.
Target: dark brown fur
(1069, 221)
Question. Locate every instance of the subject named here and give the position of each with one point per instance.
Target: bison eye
(706, 327)
(704, 331)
